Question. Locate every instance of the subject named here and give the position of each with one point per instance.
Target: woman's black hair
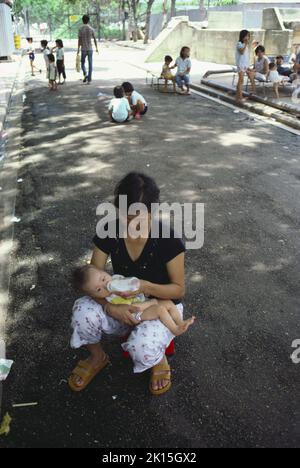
(168, 58)
(182, 50)
(59, 43)
(128, 88)
(119, 92)
(44, 43)
(85, 19)
(139, 188)
(260, 48)
(51, 58)
(80, 277)
(244, 33)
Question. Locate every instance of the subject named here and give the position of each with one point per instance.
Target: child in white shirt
(184, 65)
(136, 101)
(119, 108)
(45, 52)
(60, 60)
(276, 79)
(52, 73)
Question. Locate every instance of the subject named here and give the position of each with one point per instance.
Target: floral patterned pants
(146, 342)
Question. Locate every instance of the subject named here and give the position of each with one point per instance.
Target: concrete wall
(278, 42)
(284, 19)
(252, 15)
(272, 19)
(217, 20)
(212, 45)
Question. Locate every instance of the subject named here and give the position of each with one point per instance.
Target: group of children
(55, 69)
(182, 78)
(128, 103)
(263, 70)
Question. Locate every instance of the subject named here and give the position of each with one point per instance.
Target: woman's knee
(86, 322)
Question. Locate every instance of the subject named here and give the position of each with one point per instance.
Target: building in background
(6, 29)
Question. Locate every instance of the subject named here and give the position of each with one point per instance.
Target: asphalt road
(234, 384)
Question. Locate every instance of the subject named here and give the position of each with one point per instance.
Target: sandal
(164, 372)
(86, 372)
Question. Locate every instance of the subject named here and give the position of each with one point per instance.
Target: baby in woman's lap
(99, 285)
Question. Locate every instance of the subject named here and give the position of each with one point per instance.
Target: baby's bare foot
(185, 325)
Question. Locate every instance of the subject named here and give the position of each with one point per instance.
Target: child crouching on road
(119, 109)
(137, 102)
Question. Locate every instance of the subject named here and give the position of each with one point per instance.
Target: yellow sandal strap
(82, 373)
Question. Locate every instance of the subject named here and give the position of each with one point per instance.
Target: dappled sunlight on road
(243, 137)
(281, 263)
(197, 151)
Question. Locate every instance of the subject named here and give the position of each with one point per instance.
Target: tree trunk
(165, 14)
(173, 8)
(203, 13)
(123, 19)
(148, 18)
(98, 20)
(134, 10)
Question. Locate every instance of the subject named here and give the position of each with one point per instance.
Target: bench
(155, 80)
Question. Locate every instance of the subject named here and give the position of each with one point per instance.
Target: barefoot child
(31, 55)
(119, 290)
(276, 79)
(242, 59)
(137, 102)
(167, 74)
(119, 108)
(184, 65)
(52, 73)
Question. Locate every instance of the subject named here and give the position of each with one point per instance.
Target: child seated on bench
(166, 73)
(184, 65)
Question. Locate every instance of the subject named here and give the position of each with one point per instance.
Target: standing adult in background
(85, 36)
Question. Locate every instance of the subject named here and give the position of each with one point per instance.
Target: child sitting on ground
(166, 73)
(119, 108)
(137, 102)
(184, 65)
(276, 79)
(116, 289)
(52, 73)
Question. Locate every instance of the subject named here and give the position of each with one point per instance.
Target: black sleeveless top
(151, 265)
